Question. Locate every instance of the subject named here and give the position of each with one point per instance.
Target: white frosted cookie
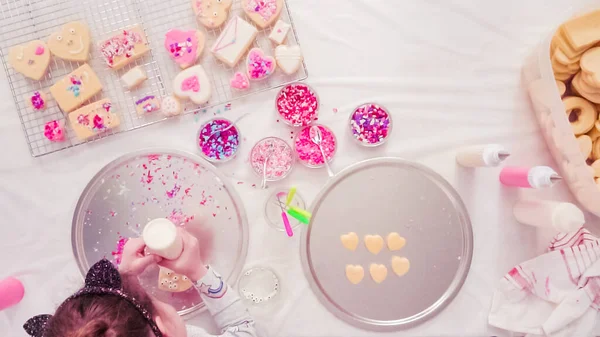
(263, 12)
(134, 77)
(234, 40)
(171, 106)
(211, 13)
(193, 84)
(73, 90)
(124, 47)
(279, 32)
(184, 46)
(31, 59)
(71, 43)
(289, 59)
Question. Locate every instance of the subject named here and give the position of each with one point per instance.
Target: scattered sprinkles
(118, 252)
(120, 45)
(265, 8)
(297, 104)
(278, 155)
(222, 145)
(54, 131)
(309, 153)
(37, 101)
(370, 124)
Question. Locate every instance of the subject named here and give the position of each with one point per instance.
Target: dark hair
(102, 315)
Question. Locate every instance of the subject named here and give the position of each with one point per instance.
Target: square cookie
(93, 119)
(76, 88)
(125, 47)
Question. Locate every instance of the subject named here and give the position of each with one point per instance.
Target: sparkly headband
(102, 279)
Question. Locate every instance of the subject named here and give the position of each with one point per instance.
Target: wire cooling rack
(24, 20)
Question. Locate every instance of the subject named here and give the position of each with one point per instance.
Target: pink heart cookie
(240, 81)
(259, 66)
(184, 47)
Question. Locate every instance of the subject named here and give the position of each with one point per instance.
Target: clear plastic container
(284, 146)
(368, 143)
(315, 147)
(215, 160)
(285, 119)
(540, 84)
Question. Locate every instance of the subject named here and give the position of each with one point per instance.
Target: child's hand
(189, 262)
(133, 261)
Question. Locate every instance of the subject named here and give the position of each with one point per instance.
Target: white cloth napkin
(556, 294)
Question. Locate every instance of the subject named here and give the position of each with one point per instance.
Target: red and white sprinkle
(297, 104)
(309, 153)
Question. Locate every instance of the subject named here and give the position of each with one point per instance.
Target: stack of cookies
(587, 82)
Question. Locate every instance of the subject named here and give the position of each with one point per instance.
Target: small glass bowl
(206, 156)
(284, 146)
(259, 286)
(367, 143)
(273, 211)
(315, 148)
(315, 114)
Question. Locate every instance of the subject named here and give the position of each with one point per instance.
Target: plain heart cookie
(193, 84)
(349, 241)
(400, 265)
(211, 13)
(263, 12)
(378, 272)
(71, 43)
(374, 243)
(289, 59)
(354, 274)
(258, 65)
(31, 59)
(184, 46)
(395, 241)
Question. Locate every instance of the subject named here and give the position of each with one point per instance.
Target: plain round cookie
(171, 106)
(581, 114)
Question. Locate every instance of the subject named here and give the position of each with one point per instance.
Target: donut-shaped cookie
(585, 145)
(581, 114)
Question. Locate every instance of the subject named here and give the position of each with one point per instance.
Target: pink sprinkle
(54, 131)
(278, 155)
(37, 101)
(297, 104)
(309, 153)
(335, 110)
(39, 50)
(118, 252)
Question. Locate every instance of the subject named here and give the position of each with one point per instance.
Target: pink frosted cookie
(258, 65)
(240, 81)
(54, 131)
(37, 101)
(184, 46)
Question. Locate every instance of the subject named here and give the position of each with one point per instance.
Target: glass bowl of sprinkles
(297, 104)
(276, 155)
(215, 145)
(309, 153)
(370, 124)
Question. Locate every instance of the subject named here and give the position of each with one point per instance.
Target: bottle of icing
(563, 216)
(529, 177)
(161, 238)
(482, 155)
(11, 292)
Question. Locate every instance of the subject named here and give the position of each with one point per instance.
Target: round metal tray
(141, 186)
(380, 196)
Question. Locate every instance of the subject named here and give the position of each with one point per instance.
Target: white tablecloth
(448, 70)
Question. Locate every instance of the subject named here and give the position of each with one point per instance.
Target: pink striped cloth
(556, 294)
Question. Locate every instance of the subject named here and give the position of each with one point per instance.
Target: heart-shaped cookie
(263, 12)
(350, 241)
(354, 273)
(258, 65)
(400, 265)
(289, 59)
(31, 59)
(239, 81)
(395, 241)
(374, 243)
(211, 13)
(378, 272)
(71, 43)
(193, 83)
(184, 46)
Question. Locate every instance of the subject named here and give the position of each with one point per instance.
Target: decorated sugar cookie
(258, 65)
(124, 47)
(54, 131)
(193, 84)
(31, 59)
(279, 32)
(147, 105)
(234, 40)
(263, 12)
(171, 106)
(240, 81)
(211, 13)
(37, 101)
(289, 59)
(94, 119)
(71, 43)
(73, 90)
(168, 280)
(184, 46)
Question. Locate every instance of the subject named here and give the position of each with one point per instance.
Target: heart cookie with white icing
(71, 43)
(289, 59)
(211, 13)
(31, 59)
(259, 65)
(263, 12)
(193, 84)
